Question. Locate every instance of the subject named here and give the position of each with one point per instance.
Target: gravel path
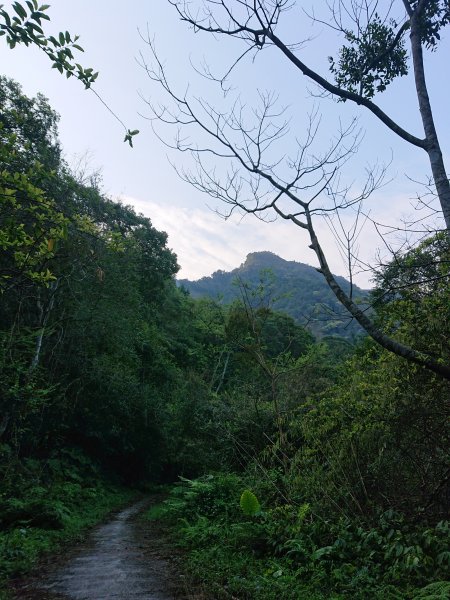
(124, 559)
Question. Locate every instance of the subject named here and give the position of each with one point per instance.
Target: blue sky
(144, 177)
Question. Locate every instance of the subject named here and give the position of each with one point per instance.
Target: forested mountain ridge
(302, 462)
(297, 466)
(295, 288)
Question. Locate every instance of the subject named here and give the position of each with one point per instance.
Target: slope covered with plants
(296, 289)
(309, 468)
(347, 496)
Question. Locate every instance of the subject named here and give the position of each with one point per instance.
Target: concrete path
(120, 561)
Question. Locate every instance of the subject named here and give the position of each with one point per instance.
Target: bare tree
(375, 54)
(308, 185)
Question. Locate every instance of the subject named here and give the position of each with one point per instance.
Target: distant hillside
(296, 289)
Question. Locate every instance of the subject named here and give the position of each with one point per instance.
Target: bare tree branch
(300, 188)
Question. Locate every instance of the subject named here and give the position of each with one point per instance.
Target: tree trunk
(43, 318)
(224, 370)
(433, 148)
(419, 358)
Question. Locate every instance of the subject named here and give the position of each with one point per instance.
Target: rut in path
(120, 561)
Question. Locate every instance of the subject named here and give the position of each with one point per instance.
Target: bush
(286, 551)
(50, 502)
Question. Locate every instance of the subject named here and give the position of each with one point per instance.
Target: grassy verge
(283, 551)
(41, 515)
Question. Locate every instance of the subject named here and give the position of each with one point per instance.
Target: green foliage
(48, 503)
(372, 60)
(434, 16)
(292, 552)
(26, 27)
(31, 226)
(129, 136)
(295, 289)
(207, 496)
(106, 364)
(355, 489)
(375, 54)
(91, 343)
(249, 504)
(434, 591)
(369, 443)
(378, 438)
(412, 296)
(30, 230)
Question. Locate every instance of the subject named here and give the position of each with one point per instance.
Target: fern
(439, 590)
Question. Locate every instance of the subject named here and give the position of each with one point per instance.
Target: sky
(113, 35)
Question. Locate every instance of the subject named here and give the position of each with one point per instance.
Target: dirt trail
(123, 559)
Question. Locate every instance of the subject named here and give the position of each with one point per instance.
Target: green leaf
(36, 28)
(20, 10)
(439, 590)
(322, 552)
(249, 503)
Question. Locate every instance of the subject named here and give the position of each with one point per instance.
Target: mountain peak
(264, 258)
(299, 290)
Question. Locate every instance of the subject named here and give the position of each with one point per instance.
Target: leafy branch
(26, 27)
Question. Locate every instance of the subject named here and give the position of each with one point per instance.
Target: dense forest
(305, 468)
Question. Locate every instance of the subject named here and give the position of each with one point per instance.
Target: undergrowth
(285, 551)
(47, 503)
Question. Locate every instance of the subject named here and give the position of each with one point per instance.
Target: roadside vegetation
(344, 492)
(280, 550)
(313, 469)
(50, 504)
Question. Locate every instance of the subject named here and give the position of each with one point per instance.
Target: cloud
(204, 242)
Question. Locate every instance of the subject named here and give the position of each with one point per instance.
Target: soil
(128, 557)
